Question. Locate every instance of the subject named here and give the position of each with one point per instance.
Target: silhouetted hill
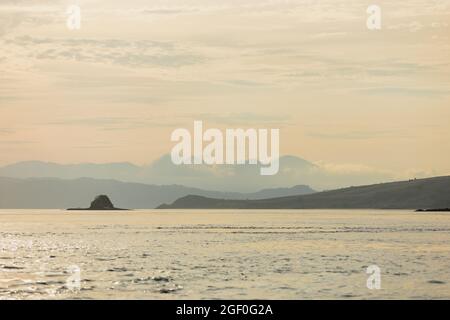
(413, 194)
(52, 193)
(101, 202)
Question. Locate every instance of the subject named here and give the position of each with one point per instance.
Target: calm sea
(232, 254)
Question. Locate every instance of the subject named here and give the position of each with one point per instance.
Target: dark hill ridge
(412, 194)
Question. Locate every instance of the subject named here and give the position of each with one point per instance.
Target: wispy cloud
(407, 92)
(246, 119)
(121, 52)
(358, 135)
(16, 142)
(5, 131)
(116, 123)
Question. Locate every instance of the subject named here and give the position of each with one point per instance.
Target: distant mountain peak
(240, 178)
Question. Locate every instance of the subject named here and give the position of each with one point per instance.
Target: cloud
(15, 142)
(347, 168)
(167, 11)
(357, 135)
(5, 131)
(29, 13)
(126, 123)
(245, 119)
(409, 92)
(245, 83)
(413, 26)
(140, 53)
(116, 123)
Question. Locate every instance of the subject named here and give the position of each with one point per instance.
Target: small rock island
(100, 202)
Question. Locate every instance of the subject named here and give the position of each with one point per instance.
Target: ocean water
(230, 254)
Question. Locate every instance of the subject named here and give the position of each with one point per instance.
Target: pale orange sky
(342, 96)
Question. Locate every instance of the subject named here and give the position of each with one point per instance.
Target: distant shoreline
(88, 209)
(434, 210)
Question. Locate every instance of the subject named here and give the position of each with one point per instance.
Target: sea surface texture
(230, 254)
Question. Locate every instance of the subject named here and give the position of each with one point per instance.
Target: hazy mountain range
(54, 193)
(239, 178)
(413, 194)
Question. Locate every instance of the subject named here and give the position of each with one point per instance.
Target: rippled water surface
(273, 254)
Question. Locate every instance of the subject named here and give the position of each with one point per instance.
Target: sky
(343, 96)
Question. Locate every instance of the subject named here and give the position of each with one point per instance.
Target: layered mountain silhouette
(241, 178)
(52, 193)
(412, 194)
